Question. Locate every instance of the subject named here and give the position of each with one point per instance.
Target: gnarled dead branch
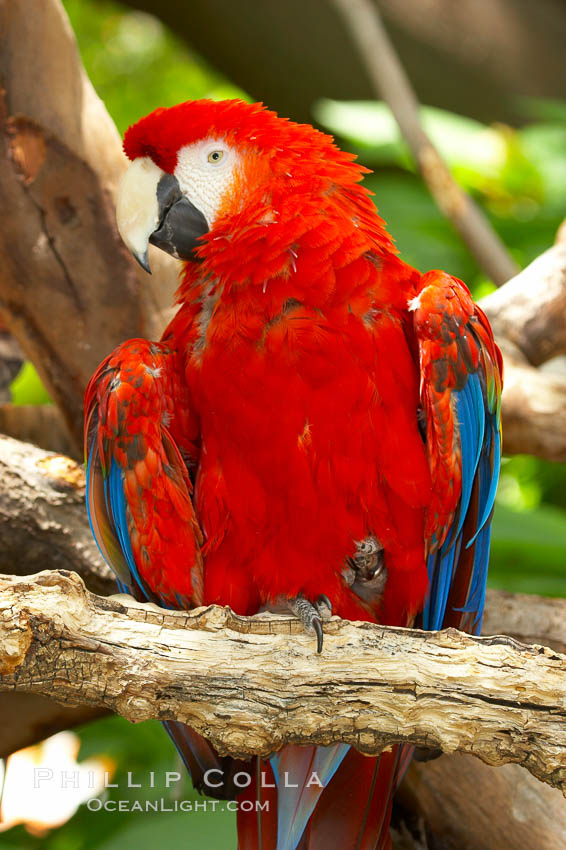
(251, 685)
(43, 525)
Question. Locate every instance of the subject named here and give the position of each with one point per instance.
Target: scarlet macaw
(335, 410)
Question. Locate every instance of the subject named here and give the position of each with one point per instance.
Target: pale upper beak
(152, 208)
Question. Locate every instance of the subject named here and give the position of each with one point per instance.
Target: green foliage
(136, 64)
(517, 176)
(142, 754)
(26, 388)
(528, 550)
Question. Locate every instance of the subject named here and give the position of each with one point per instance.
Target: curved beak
(152, 208)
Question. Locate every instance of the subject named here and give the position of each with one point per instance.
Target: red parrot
(317, 430)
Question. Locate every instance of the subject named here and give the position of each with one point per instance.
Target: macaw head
(204, 167)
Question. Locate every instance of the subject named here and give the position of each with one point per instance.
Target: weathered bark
(529, 312)
(43, 519)
(69, 291)
(250, 685)
(534, 412)
(43, 524)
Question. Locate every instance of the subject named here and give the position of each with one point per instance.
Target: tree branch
(467, 805)
(43, 520)
(528, 320)
(69, 291)
(529, 312)
(43, 524)
(392, 85)
(251, 685)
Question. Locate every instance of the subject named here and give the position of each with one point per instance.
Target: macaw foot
(311, 615)
(365, 571)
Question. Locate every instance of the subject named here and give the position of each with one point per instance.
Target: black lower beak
(181, 224)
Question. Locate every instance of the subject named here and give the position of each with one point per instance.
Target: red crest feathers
(162, 133)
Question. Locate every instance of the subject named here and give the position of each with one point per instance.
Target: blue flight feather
(117, 500)
(480, 448)
(295, 805)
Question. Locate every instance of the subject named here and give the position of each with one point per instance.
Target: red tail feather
(257, 811)
(353, 811)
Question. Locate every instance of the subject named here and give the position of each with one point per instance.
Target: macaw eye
(215, 156)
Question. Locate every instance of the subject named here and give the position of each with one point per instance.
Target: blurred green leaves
(471, 148)
(136, 64)
(528, 550)
(143, 755)
(26, 388)
(517, 176)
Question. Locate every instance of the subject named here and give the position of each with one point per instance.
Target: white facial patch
(205, 171)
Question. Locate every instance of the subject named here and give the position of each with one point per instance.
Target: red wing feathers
(139, 490)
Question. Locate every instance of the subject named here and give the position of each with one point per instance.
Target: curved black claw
(324, 606)
(317, 626)
(310, 616)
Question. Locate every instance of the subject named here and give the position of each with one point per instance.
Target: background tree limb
(467, 805)
(392, 85)
(43, 522)
(529, 313)
(528, 316)
(69, 292)
(474, 57)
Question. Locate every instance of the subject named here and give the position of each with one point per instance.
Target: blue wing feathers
(117, 505)
(107, 515)
(477, 416)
